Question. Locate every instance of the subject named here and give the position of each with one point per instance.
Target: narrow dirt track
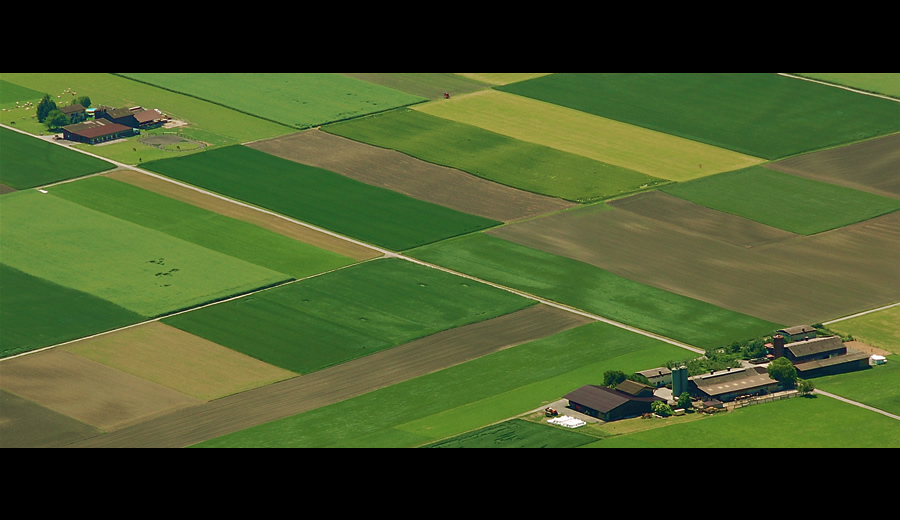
(190, 426)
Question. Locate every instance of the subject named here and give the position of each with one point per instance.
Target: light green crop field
(784, 201)
(297, 99)
(466, 397)
(36, 313)
(29, 162)
(347, 314)
(143, 270)
(225, 235)
(595, 290)
(879, 329)
(653, 153)
(499, 158)
(428, 85)
(759, 114)
(886, 83)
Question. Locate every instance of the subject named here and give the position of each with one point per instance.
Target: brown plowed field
(872, 166)
(236, 211)
(418, 179)
(25, 424)
(790, 280)
(191, 426)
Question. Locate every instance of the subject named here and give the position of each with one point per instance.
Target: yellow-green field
(646, 151)
(502, 78)
(878, 329)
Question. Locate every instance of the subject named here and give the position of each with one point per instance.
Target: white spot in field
(43, 191)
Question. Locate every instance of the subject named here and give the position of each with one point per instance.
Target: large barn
(98, 131)
(629, 399)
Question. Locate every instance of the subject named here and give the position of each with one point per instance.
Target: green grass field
(878, 329)
(628, 146)
(225, 235)
(818, 422)
(527, 166)
(297, 99)
(886, 83)
(347, 314)
(29, 162)
(12, 94)
(427, 85)
(876, 387)
(143, 270)
(36, 313)
(759, 114)
(466, 397)
(784, 201)
(502, 78)
(592, 289)
(517, 434)
(374, 215)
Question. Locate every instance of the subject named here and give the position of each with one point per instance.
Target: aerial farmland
(436, 260)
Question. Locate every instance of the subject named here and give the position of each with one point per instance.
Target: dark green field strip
(347, 314)
(205, 228)
(784, 201)
(10, 93)
(760, 114)
(595, 290)
(526, 166)
(35, 313)
(323, 198)
(28, 162)
(517, 433)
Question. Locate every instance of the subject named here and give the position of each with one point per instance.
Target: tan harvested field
(872, 166)
(175, 359)
(88, 391)
(230, 414)
(236, 211)
(418, 179)
(728, 261)
(25, 424)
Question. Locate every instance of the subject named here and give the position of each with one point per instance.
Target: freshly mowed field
(28, 425)
(175, 359)
(879, 329)
(869, 166)
(759, 114)
(37, 313)
(296, 99)
(251, 215)
(818, 422)
(586, 287)
(210, 230)
(887, 83)
(29, 162)
(320, 197)
(789, 280)
(347, 314)
(399, 172)
(428, 85)
(653, 153)
(502, 78)
(523, 165)
(143, 270)
(87, 391)
(517, 434)
(783, 201)
(466, 397)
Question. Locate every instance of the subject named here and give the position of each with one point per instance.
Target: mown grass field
(527, 166)
(887, 83)
(143, 270)
(297, 99)
(583, 286)
(347, 314)
(516, 434)
(30, 162)
(784, 201)
(320, 197)
(466, 397)
(207, 229)
(652, 153)
(759, 114)
(427, 85)
(37, 313)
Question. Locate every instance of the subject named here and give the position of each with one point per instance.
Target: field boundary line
(855, 403)
(859, 314)
(842, 87)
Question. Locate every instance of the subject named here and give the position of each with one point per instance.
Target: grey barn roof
(815, 346)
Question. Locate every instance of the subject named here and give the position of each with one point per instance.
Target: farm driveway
(191, 426)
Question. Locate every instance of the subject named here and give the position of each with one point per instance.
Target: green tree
(661, 408)
(45, 107)
(684, 400)
(805, 387)
(611, 378)
(783, 371)
(56, 119)
(83, 101)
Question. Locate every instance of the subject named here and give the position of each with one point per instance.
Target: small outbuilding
(658, 377)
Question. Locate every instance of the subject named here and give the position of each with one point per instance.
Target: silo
(679, 381)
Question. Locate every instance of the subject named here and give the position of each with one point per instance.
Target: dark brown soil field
(259, 218)
(399, 172)
(196, 424)
(872, 166)
(25, 424)
(703, 254)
